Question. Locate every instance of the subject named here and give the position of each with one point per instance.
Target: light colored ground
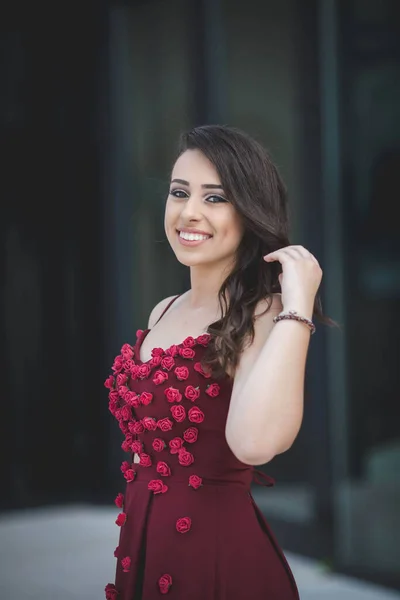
(67, 554)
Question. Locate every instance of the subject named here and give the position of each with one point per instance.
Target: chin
(191, 261)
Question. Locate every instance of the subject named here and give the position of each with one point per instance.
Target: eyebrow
(206, 186)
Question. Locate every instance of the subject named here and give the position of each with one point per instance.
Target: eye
(215, 199)
(178, 193)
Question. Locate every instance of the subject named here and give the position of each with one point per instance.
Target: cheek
(234, 230)
(168, 216)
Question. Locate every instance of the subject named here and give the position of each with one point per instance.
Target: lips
(194, 231)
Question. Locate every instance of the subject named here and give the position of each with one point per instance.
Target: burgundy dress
(189, 527)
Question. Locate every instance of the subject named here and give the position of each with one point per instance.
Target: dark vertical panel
(208, 47)
(315, 428)
(120, 257)
(52, 75)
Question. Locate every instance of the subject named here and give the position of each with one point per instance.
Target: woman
(215, 384)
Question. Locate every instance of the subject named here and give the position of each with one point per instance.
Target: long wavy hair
(254, 187)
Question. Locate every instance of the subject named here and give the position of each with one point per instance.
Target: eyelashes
(212, 198)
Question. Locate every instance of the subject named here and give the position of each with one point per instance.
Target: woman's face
(202, 227)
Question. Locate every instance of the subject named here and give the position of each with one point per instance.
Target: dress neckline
(142, 334)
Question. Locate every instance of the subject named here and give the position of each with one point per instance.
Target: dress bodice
(173, 414)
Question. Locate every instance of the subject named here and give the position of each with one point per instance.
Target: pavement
(66, 553)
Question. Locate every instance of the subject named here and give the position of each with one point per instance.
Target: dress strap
(261, 478)
(166, 308)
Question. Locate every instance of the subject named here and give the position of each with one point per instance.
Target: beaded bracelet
(293, 315)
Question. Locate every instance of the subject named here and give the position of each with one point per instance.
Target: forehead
(195, 167)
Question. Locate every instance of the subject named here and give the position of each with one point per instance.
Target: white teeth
(193, 237)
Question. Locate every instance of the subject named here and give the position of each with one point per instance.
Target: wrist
(293, 315)
(304, 310)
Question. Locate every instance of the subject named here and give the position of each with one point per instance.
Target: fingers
(290, 252)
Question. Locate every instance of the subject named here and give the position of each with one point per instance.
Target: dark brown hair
(254, 187)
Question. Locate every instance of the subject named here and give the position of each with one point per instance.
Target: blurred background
(93, 98)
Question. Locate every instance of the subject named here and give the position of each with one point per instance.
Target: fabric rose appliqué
(195, 482)
(136, 447)
(119, 500)
(160, 377)
(144, 371)
(167, 363)
(183, 524)
(157, 486)
(182, 373)
(172, 350)
(111, 592)
(122, 391)
(126, 564)
(185, 458)
(121, 519)
(136, 427)
(157, 352)
(126, 413)
(175, 445)
(199, 368)
(127, 351)
(128, 366)
(192, 393)
(155, 361)
(187, 353)
(134, 372)
(173, 395)
(178, 412)
(203, 339)
(158, 444)
(132, 399)
(164, 583)
(213, 390)
(122, 378)
(109, 382)
(113, 406)
(125, 465)
(130, 475)
(195, 415)
(163, 469)
(190, 435)
(118, 364)
(126, 445)
(149, 423)
(145, 460)
(189, 342)
(165, 424)
(146, 398)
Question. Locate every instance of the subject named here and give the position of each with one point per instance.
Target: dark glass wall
(369, 493)
(54, 131)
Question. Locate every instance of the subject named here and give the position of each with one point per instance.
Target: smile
(192, 239)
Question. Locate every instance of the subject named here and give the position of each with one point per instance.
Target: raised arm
(266, 407)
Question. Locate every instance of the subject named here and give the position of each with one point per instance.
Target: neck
(205, 283)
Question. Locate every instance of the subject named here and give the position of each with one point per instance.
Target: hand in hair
(300, 278)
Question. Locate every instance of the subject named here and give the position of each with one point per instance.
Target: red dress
(190, 528)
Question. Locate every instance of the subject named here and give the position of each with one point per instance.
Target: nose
(191, 210)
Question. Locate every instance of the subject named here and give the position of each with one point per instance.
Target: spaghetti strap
(166, 308)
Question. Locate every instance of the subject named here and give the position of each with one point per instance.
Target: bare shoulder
(158, 309)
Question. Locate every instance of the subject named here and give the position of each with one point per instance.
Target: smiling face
(201, 225)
